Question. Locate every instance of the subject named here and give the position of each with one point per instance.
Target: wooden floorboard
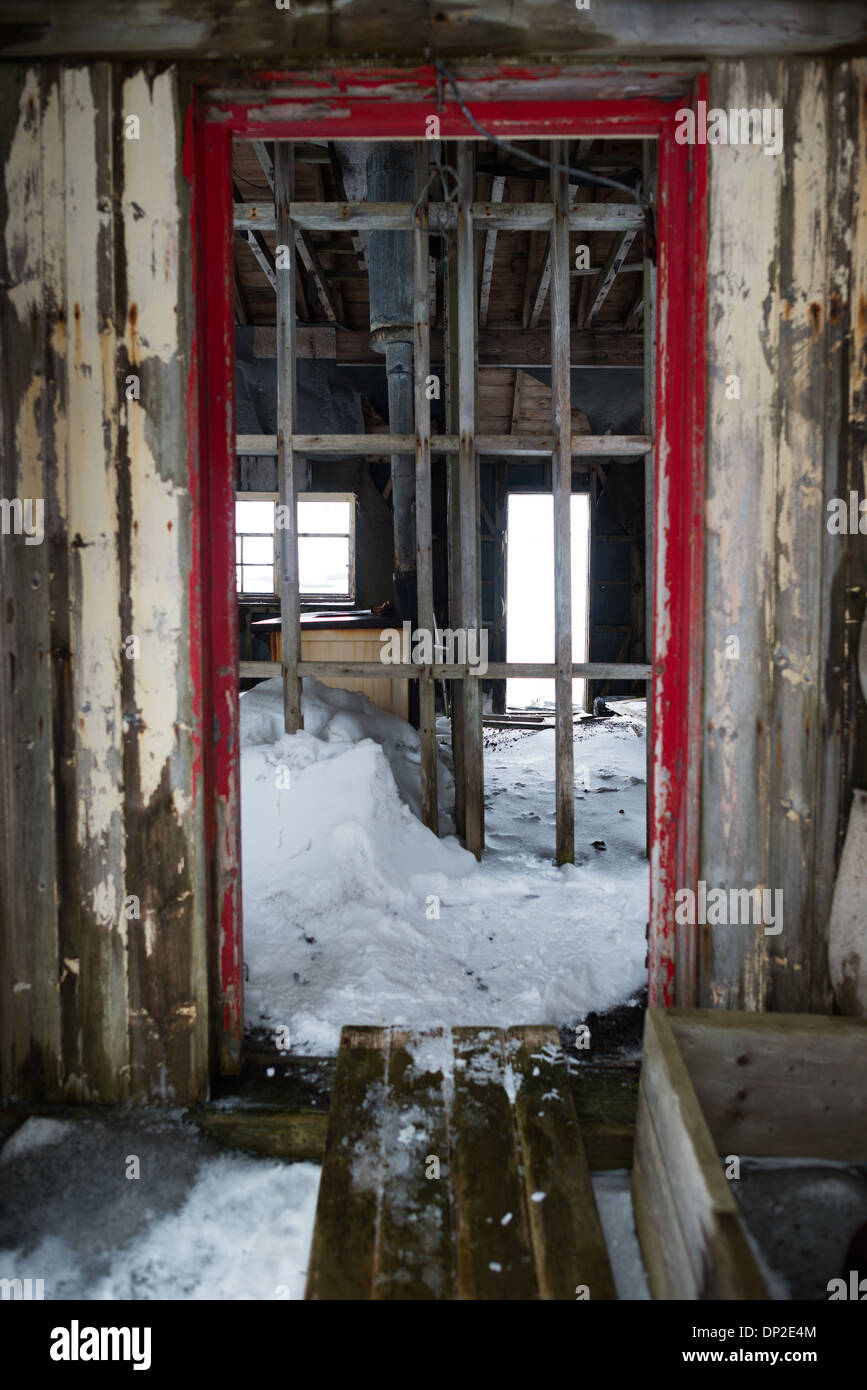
(454, 1169)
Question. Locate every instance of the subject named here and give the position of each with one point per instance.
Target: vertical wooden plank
(471, 615)
(287, 463)
(739, 555)
(423, 503)
(93, 930)
(455, 559)
(561, 477)
(707, 1212)
(567, 1238)
(164, 820)
(216, 596)
(649, 153)
(29, 1015)
(343, 1253)
(800, 529)
(664, 1249)
(855, 749)
(494, 1257)
(501, 578)
(837, 686)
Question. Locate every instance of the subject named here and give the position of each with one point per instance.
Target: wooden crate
(718, 1082)
(351, 644)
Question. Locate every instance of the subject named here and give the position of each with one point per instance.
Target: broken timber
(454, 1169)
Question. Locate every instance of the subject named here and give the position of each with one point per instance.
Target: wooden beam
(636, 313)
(287, 461)
(497, 186)
(544, 278)
(306, 249)
(337, 175)
(397, 217)
(497, 346)
(423, 498)
(242, 311)
(495, 670)
(516, 445)
(262, 252)
(604, 281)
(534, 253)
(561, 472)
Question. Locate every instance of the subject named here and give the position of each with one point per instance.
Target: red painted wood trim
(213, 238)
(679, 549)
(680, 396)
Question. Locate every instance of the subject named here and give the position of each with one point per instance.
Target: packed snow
(196, 1223)
(354, 912)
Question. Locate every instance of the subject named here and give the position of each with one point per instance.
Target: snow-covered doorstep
(355, 913)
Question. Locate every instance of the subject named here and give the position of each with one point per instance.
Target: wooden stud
(423, 499)
(561, 470)
(468, 486)
(287, 460)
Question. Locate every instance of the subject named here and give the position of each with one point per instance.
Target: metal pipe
(391, 177)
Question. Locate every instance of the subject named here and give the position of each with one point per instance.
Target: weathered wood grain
(666, 1255)
(470, 692)
(342, 1254)
(30, 1043)
(415, 1240)
(200, 29)
(778, 1084)
(568, 1244)
(740, 533)
(423, 498)
(799, 532)
(494, 1253)
(707, 1211)
(166, 981)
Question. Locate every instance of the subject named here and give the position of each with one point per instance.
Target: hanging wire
(595, 180)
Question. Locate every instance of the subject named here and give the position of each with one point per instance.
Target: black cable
(596, 180)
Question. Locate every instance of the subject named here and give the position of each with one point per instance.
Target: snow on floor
(612, 1191)
(197, 1223)
(355, 913)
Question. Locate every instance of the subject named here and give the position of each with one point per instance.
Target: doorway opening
(579, 304)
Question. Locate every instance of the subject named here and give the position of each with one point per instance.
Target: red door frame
(394, 104)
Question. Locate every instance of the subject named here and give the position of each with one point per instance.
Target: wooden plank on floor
(707, 1210)
(568, 1244)
(343, 1248)
(494, 1254)
(416, 1254)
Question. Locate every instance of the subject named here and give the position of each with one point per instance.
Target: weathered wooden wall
(787, 314)
(381, 29)
(103, 967)
(100, 755)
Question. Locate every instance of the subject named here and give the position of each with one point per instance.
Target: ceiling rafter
(608, 274)
(498, 185)
(303, 241)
